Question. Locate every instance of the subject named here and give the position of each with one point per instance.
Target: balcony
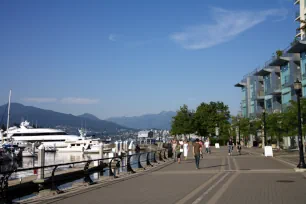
(282, 57)
(297, 15)
(260, 95)
(298, 45)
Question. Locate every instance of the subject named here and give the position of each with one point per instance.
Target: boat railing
(109, 166)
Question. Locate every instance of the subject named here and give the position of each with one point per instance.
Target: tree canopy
(203, 121)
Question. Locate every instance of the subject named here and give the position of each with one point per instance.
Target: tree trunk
(277, 142)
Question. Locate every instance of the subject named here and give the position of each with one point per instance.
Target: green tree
(209, 116)
(182, 122)
(275, 126)
(243, 124)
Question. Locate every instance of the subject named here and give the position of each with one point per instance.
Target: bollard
(101, 151)
(116, 147)
(124, 146)
(41, 162)
(33, 148)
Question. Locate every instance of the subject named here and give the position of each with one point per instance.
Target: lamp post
(265, 124)
(298, 92)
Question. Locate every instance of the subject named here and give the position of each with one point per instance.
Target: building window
(304, 91)
(286, 97)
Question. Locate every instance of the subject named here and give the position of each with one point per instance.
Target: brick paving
(248, 178)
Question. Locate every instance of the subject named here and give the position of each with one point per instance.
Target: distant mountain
(48, 118)
(148, 121)
(89, 116)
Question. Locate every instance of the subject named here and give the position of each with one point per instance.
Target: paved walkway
(247, 178)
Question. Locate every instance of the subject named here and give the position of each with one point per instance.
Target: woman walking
(186, 149)
(178, 151)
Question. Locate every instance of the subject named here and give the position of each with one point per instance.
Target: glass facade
(285, 74)
(286, 97)
(267, 83)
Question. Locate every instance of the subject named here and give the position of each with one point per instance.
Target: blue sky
(126, 58)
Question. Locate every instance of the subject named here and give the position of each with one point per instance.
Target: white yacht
(48, 137)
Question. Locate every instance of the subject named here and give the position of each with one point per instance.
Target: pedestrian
(207, 147)
(137, 149)
(179, 151)
(197, 149)
(202, 147)
(186, 149)
(174, 142)
(230, 146)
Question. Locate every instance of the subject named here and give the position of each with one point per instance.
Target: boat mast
(8, 115)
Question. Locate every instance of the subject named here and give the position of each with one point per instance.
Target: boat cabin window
(72, 145)
(78, 144)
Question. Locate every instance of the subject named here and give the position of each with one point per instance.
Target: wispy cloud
(40, 100)
(112, 37)
(81, 101)
(227, 25)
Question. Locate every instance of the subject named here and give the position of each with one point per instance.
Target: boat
(46, 136)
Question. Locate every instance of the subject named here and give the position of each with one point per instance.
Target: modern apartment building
(271, 86)
(300, 17)
(252, 90)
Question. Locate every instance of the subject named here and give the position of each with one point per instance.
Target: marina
(68, 169)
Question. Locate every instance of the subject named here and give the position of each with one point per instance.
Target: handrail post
(139, 162)
(129, 167)
(111, 173)
(154, 157)
(148, 159)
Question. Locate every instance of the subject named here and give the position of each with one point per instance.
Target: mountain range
(49, 118)
(148, 121)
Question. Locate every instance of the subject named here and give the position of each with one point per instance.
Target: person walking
(197, 149)
(207, 147)
(179, 151)
(202, 147)
(174, 142)
(230, 146)
(186, 149)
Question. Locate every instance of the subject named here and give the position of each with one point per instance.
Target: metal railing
(109, 165)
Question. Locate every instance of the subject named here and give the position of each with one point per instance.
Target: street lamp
(298, 91)
(264, 121)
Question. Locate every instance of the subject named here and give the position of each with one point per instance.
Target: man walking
(174, 149)
(197, 149)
